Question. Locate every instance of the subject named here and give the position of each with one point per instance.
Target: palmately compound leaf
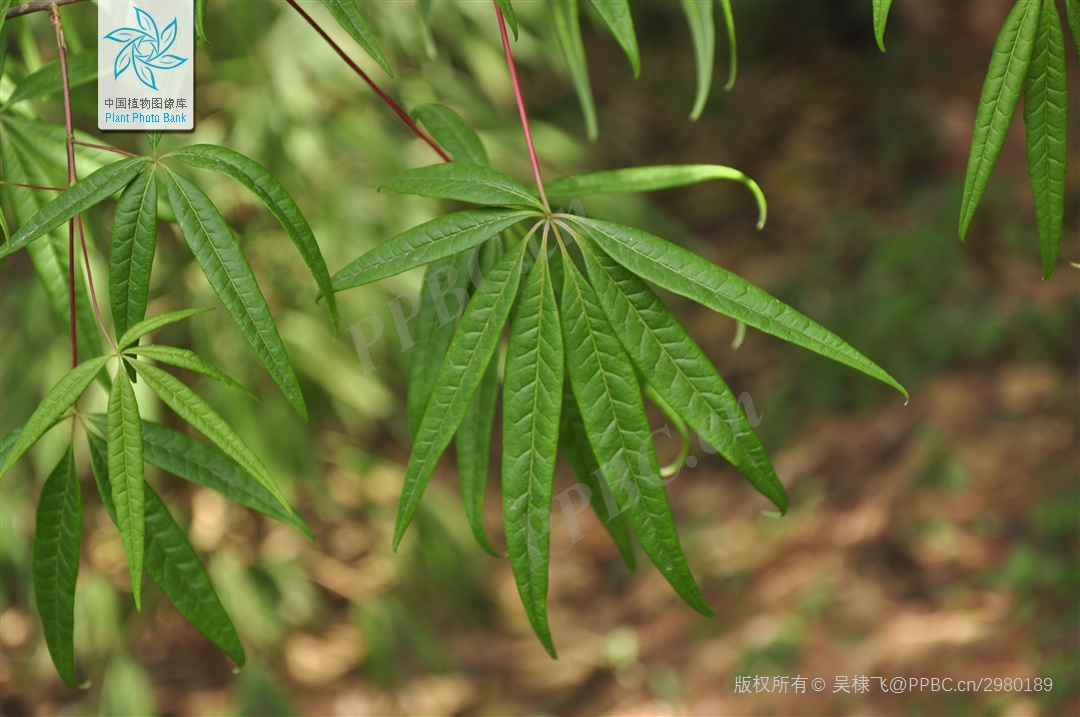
(227, 269)
(1046, 120)
(154, 323)
(57, 534)
(607, 394)
(444, 296)
(574, 444)
(172, 563)
(508, 15)
(348, 16)
(206, 466)
(672, 362)
(471, 350)
(564, 14)
(452, 133)
(997, 105)
(733, 48)
(189, 406)
(269, 191)
(473, 439)
(56, 402)
(532, 401)
(699, 15)
(689, 275)
(649, 179)
(616, 15)
(131, 253)
(881, 14)
(183, 358)
(126, 471)
(473, 183)
(440, 238)
(83, 194)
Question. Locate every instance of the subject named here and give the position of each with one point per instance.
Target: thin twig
(104, 147)
(54, 19)
(521, 107)
(31, 186)
(36, 6)
(371, 83)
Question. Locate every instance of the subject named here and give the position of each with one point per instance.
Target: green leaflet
(452, 133)
(23, 162)
(470, 352)
(126, 469)
(226, 268)
(462, 182)
(4, 5)
(574, 444)
(83, 194)
(729, 23)
(1072, 16)
(648, 179)
(82, 68)
(56, 402)
(200, 22)
(1046, 120)
(564, 14)
(997, 105)
(699, 15)
(532, 400)
(131, 254)
(473, 439)
(190, 407)
(670, 360)
(443, 298)
(202, 465)
(57, 534)
(508, 15)
(686, 273)
(349, 17)
(7, 442)
(183, 358)
(607, 394)
(262, 184)
(616, 15)
(173, 564)
(154, 323)
(448, 235)
(881, 14)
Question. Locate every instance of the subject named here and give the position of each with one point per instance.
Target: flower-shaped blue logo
(145, 49)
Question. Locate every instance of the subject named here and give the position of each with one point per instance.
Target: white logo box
(146, 64)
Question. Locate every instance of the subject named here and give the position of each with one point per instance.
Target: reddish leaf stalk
(31, 186)
(371, 83)
(104, 147)
(54, 18)
(521, 107)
